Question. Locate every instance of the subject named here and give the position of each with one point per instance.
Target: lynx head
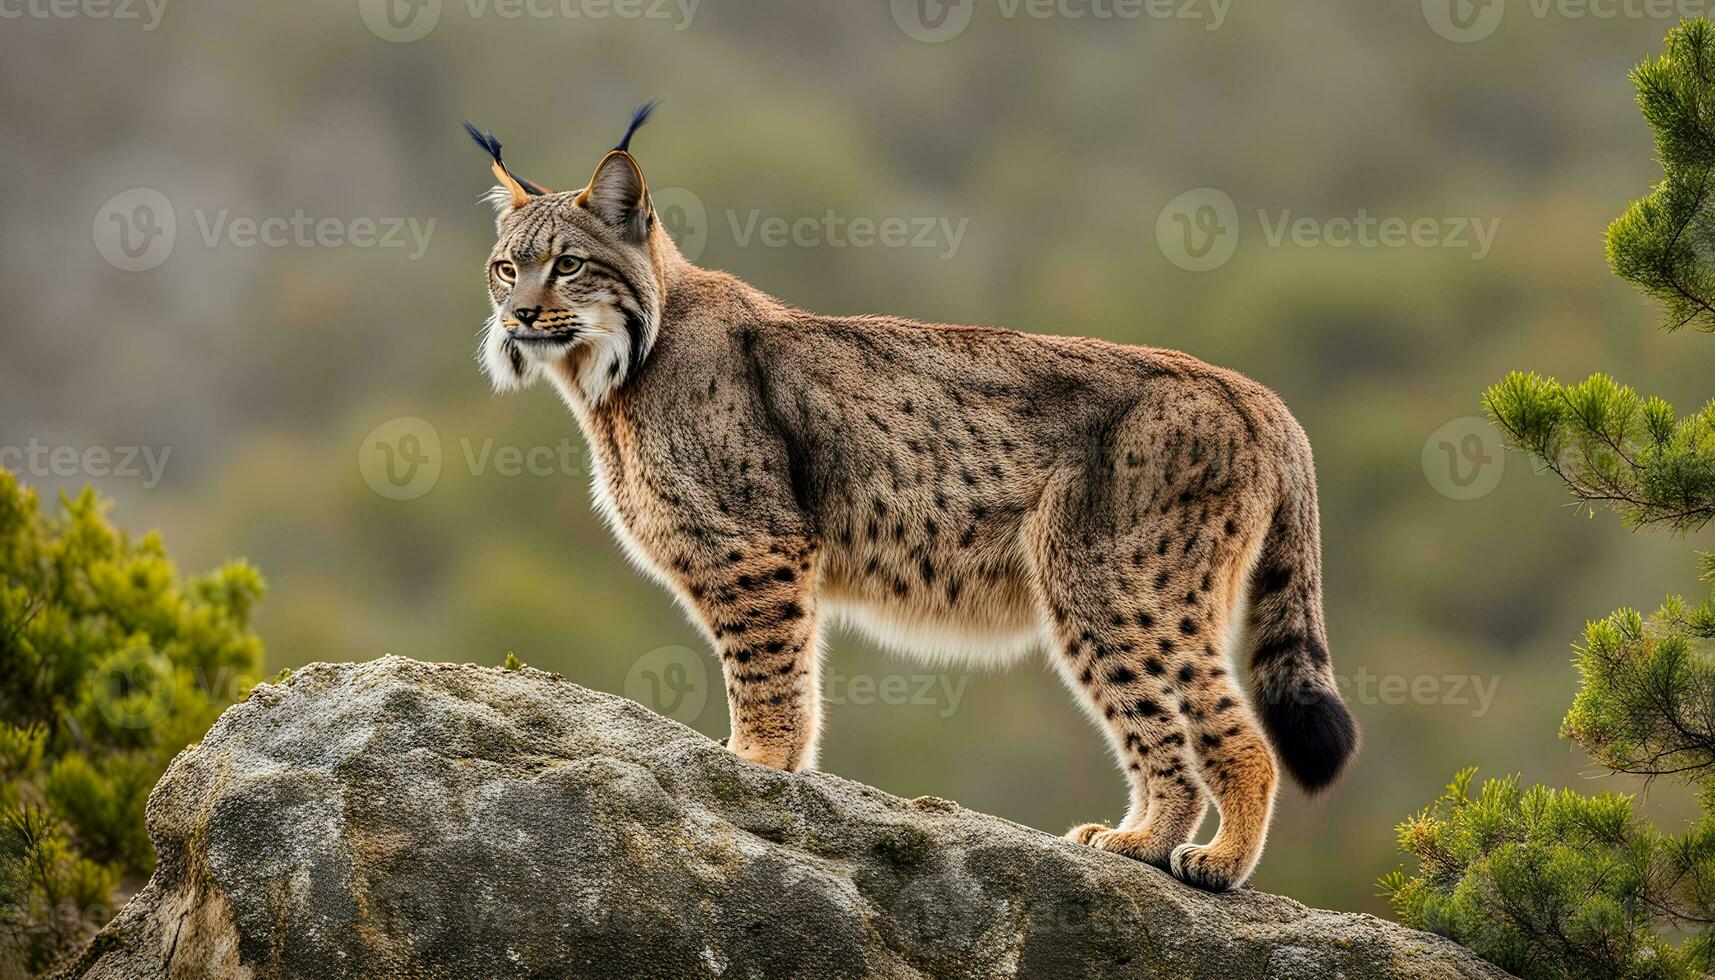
(575, 277)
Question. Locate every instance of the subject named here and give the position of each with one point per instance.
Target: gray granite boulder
(397, 819)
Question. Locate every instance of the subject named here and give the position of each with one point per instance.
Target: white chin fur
(509, 366)
(512, 366)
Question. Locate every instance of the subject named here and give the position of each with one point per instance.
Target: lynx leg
(1139, 556)
(1113, 651)
(1106, 659)
(757, 604)
(1232, 756)
(1177, 802)
(1168, 803)
(1239, 769)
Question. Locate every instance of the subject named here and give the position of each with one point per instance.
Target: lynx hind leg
(1237, 766)
(1231, 753)
(1182, 730)
(1116, 646)
(1193, 603)
(1142, 624)
(1167, 802)
(1108, 661)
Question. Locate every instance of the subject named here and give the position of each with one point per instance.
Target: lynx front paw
(1199, 865)
(1085, 832)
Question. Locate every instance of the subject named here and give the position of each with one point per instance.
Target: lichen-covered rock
(396, 819)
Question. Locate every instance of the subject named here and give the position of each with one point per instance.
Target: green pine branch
(1613, 447)
(1548, 883)
(1647, 702)
(1663, 242)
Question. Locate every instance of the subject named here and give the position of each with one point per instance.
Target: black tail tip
(1313, 733)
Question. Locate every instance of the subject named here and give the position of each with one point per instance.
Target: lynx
(962, 493)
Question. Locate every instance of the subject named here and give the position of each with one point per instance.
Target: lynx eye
(506, 272)
(567, 265)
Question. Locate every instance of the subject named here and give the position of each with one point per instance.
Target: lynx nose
(527, 315)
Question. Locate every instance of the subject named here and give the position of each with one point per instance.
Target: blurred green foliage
(1551, 883)
(110, 664)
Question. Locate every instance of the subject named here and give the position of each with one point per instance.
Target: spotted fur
(969, 494)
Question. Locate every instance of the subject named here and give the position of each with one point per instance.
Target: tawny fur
(965, 493)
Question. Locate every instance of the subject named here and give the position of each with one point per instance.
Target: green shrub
(109, 665)
(1550, 883)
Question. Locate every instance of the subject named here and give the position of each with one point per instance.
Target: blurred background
(244, 274)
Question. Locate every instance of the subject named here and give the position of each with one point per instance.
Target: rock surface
(396, 819)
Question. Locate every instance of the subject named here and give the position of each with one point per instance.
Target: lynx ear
(512, 191)
(618, 194)
(617, 191)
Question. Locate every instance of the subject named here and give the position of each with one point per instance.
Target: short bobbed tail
(1292, 678)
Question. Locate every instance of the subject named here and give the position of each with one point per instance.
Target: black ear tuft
(486, 139)
(638, 118)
